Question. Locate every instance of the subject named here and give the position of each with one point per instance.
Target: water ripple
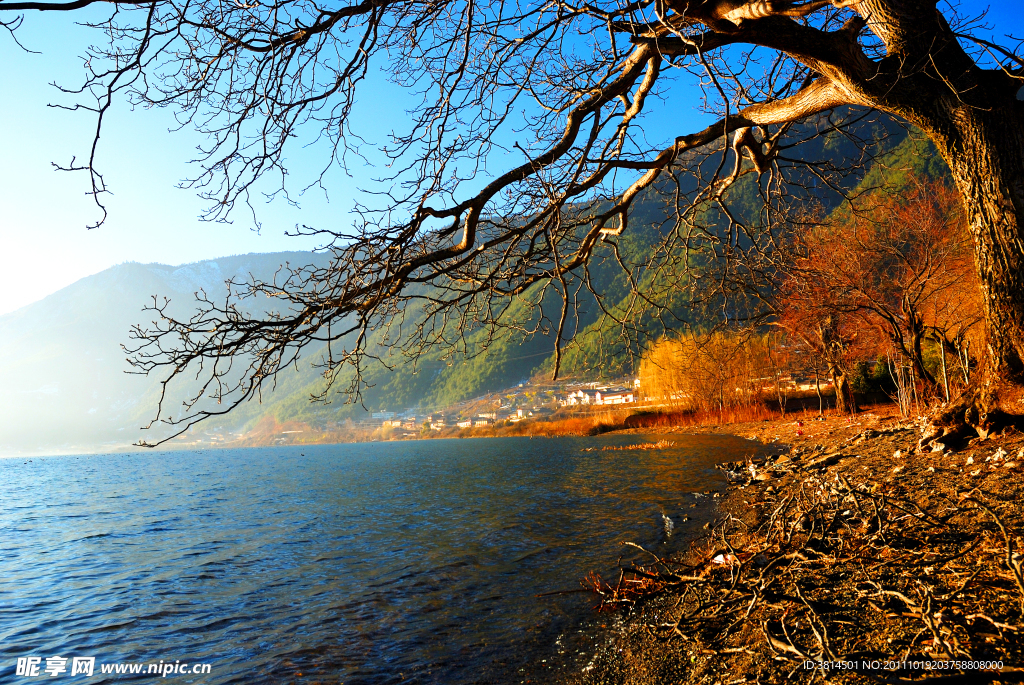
(402, 562)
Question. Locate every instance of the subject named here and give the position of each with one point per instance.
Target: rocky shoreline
(844, 549)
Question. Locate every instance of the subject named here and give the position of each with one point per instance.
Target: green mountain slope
(62, 370)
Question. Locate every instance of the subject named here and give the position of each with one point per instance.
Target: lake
(402, 562)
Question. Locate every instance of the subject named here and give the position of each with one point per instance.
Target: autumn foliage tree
(900, 267)
(708, 371)
(826, 334)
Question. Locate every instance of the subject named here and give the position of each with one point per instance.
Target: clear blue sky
(44, 244)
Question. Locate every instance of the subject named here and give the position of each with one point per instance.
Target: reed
(742, 413)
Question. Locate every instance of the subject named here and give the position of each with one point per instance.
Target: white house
(616, 396)
(583, 396)
(600, 396)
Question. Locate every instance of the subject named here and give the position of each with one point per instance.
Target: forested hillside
(603, 338)
(64, 375)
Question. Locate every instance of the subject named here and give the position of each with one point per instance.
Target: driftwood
(844, 573)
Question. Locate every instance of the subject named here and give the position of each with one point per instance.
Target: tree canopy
(527, 151)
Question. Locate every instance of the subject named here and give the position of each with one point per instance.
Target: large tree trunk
(916, 332)
(986, 157)
(974, 117)
(846, 403)
(985, 152)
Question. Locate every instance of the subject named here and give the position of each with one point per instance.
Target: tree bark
(846, 403)
(986, 158)
(985, 154)
(817, 388)
(916, 350)
(945, 376)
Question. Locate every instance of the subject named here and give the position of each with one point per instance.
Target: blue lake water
(406, 562)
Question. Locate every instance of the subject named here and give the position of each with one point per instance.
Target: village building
(582, 396)
(589, 396)
(616, 396)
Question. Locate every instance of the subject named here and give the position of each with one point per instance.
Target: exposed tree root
(974, 413)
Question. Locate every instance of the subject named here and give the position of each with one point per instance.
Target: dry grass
(593, 424)
(738, 414)
(271, 432)
(611, 420)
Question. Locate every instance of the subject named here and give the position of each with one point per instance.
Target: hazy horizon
(178, 265)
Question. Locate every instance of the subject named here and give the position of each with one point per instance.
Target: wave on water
(423, 561)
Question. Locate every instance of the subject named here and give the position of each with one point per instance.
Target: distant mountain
(64, 384)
